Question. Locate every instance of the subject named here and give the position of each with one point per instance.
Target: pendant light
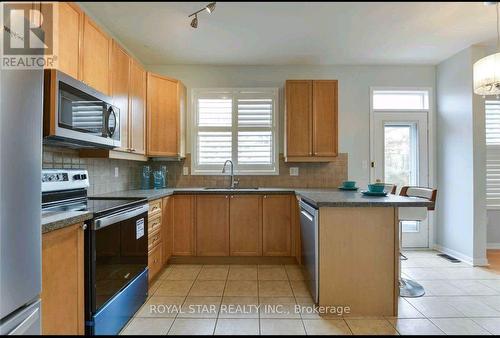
(486, 71)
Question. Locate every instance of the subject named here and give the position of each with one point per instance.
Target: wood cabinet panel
(120, 74)
(183, 230)
(167, 227)
(137, 108)
(276, 225)
(154, 239)
(212, 225)
(298, 118)
(361, 246)
(96, 50)
(62, 281)
(311, 119)
(68, 36)
(154, 262)
(325, 115)
(245, 225)
(164, 116)
(154, 223)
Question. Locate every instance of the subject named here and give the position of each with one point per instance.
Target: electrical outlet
(185, 171)
(117, 172)
(294, 171)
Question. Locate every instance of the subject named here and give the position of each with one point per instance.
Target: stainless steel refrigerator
(21, 106)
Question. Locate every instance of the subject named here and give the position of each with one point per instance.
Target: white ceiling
(278, 33)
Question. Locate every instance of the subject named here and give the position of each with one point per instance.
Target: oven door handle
(119, 217)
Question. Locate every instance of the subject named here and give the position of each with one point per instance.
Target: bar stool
(390, 188)
(409, 288)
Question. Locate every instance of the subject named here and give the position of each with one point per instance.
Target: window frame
(234, 94)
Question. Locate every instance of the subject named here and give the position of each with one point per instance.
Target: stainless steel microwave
(77, 116)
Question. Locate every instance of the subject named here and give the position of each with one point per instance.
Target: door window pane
(400, 165)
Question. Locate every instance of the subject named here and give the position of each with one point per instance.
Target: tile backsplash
(101, 171)
(311, 175)
(103, 180)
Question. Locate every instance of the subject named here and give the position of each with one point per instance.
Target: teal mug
(349, 184)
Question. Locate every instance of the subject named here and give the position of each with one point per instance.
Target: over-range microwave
(76, 115)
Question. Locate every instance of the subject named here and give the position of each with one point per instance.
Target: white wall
(461, 213)
(354, 94)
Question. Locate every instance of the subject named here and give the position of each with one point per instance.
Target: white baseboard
(493, 246)
(464, 258)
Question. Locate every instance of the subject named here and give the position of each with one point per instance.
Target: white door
(401, 157)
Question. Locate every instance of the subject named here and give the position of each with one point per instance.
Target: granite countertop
(58, 220)
(337, 198)
(153, 194)
(316, 197)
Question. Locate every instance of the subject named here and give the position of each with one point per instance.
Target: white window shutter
(492, 110)
(235, 124)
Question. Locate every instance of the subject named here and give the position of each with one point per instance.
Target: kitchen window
(492, 110)
(235, 124)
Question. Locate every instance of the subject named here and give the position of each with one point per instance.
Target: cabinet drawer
(154, 224)
(154, 208)
(154, 239)
(154, 262)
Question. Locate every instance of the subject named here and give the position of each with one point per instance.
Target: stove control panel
(64, 179)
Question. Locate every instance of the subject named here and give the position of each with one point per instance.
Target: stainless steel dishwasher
(310, 242)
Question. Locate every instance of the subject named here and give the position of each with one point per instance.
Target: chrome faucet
(234, 183)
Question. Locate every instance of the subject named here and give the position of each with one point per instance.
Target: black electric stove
(116, 248)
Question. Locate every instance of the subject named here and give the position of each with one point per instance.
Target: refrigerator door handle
(26, 324)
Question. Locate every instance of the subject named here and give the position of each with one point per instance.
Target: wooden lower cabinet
(167, 227)
(62, 281)
(183, 229)
(155, 262)
(230, 225)
(245, 233)
(212, 225)
(276, 225)
(155, 240)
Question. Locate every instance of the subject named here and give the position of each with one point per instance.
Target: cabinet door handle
(83, 226)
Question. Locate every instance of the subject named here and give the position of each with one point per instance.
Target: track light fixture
(194, 22)
(209, 8)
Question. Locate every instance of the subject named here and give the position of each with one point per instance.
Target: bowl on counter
(376, 187)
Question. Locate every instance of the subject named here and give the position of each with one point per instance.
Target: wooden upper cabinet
(212, 225)
(276, 225)
(120, 75)
(96, 51)
(183, 226)
(165, 117)
(325, 118)
(68, 35)
(137, 108)
(311, 120)
(298, 118)
(245, 225)
(62, 281)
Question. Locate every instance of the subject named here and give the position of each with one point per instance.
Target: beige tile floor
(222, 299)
